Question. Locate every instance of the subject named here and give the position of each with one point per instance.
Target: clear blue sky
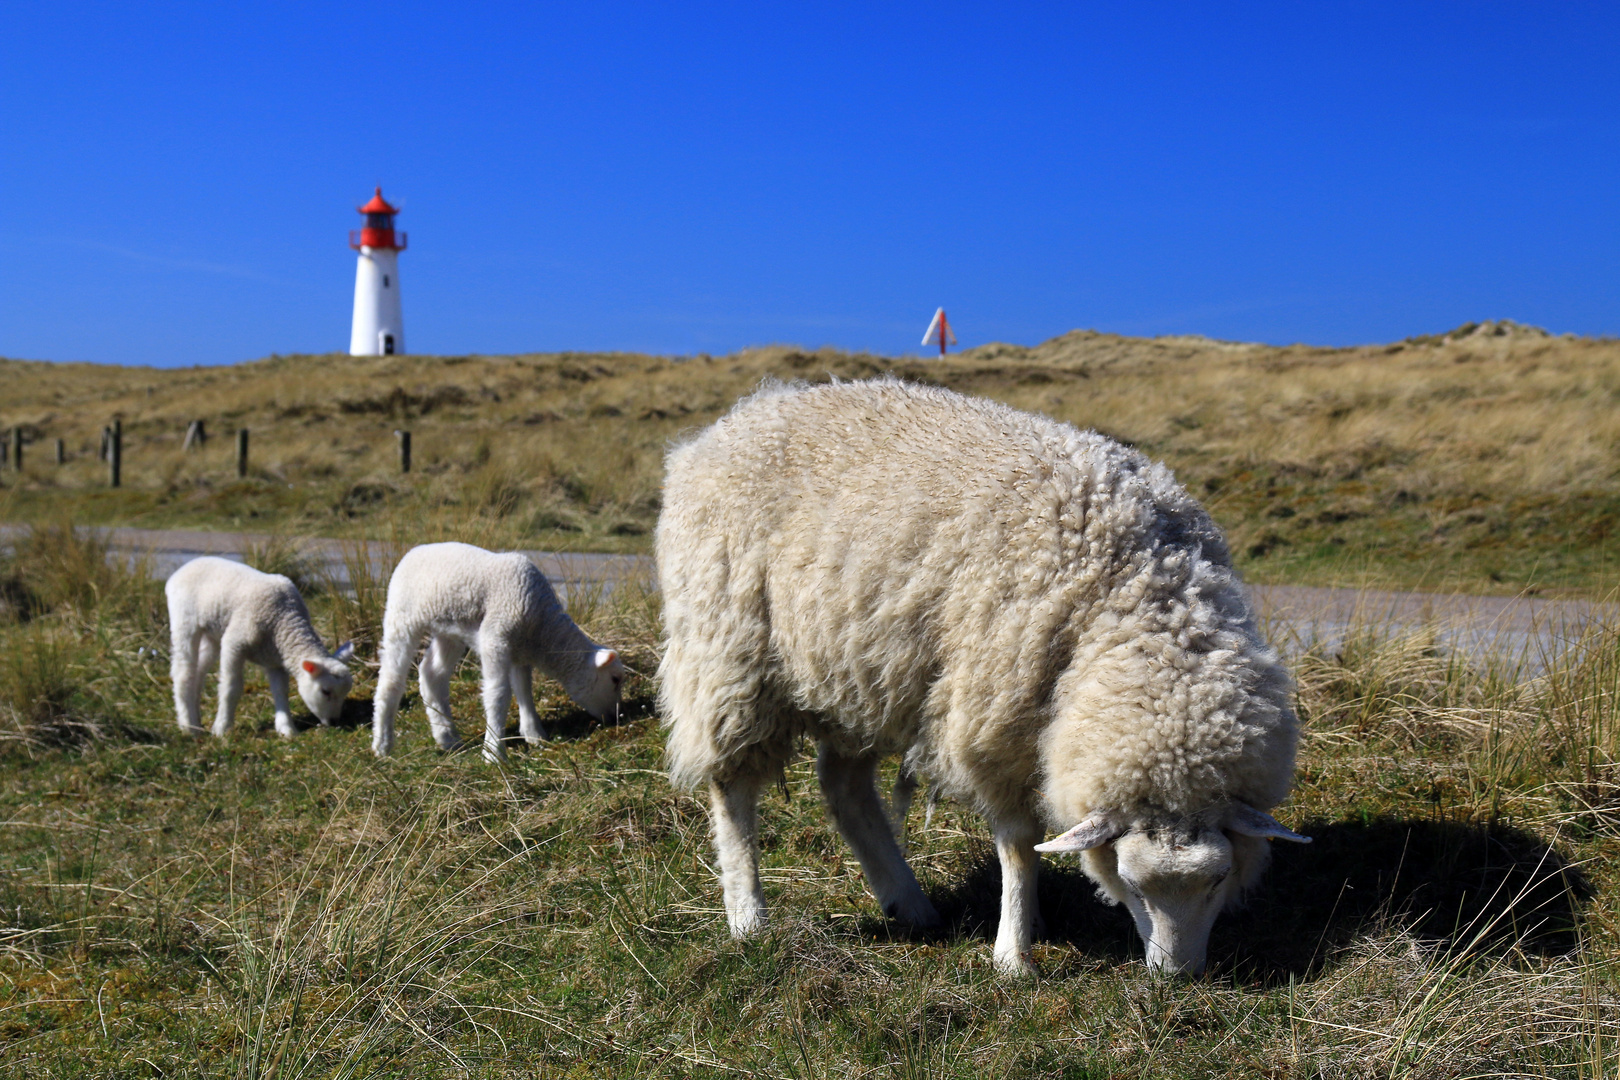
(177, 181)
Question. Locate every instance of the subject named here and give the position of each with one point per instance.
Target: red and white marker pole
(939, 329)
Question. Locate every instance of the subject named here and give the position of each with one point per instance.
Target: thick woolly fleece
(1041, 618)
(223, 612)
(499, 604)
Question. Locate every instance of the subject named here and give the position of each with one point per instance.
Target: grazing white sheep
(462, 597)
(221, 612)
(1041, 619)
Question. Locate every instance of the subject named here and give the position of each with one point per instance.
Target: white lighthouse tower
(379, 326)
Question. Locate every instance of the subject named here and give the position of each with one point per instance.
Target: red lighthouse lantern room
(378, 232)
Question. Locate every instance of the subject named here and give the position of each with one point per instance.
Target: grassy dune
(1487, 459)
(255, 907)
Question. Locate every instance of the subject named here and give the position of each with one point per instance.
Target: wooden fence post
(115, 454)
(16, 448)
(404, 450)
(61, 452)
(241, 452)
(196, 435)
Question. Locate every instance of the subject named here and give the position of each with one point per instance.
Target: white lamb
(221, 612)
(462, 597)
(1041, 619)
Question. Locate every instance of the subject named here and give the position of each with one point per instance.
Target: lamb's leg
(497, 674)
(849, 785)
(187, 675)
(1020, 908)
(207, 664)
(394, 667)
(278, 694)
(734, 811)
(230, 685)
(439, 662)
(523, 690)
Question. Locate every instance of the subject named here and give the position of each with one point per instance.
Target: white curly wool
(462, 597)
(221, 612)
(1041, 619)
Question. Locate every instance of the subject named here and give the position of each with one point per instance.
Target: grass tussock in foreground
(1487, 459)
(256, 907)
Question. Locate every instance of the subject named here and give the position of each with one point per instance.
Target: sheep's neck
(561, 648)
(296, 640)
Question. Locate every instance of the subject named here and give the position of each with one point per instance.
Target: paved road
(1293, 615)
(333, 560)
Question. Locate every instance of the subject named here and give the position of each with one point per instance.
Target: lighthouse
(379, 327)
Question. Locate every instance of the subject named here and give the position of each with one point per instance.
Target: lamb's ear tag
(1094, 832)
(604, 657)
(344, 651)
(311, 666)
(1248, 821)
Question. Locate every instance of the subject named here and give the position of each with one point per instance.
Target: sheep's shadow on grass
(568, 724)
(1455, 885)
(1450, 884)
(356, 714)
(571, 723)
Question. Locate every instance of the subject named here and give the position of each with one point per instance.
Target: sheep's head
(1175, 873)
(325, 683)
(596, 686)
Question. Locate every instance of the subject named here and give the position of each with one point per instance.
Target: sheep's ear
(1095, 831)
(604, 657)
(311, 666)
(1248, 821)
(344, 651)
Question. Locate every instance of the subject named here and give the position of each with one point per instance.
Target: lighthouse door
(387, 344)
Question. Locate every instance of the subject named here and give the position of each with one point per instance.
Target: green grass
(255, 907)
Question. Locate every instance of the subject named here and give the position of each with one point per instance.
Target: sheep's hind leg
(187, 675)
(394, 667)
(1020, 907)
(497, 667)
(849, 785)
(900, 799)
(439, 662)
(528, 718)
(734, 810)
(230, 686)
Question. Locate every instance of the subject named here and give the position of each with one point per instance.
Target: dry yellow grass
(1485, 459)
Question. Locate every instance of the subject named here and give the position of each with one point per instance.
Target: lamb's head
(325, 682)
(595, 686)
(1175, 873)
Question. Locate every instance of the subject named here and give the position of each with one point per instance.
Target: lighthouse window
(385, 281)
(379, 221)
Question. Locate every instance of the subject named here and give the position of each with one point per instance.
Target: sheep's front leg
(849, 785)
(439, 662)
(497, 700)
(1020, 907)
(278, 694)
(523, 690)
(230, 686)
(394, 667)
(734, 811)
(187, 675)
